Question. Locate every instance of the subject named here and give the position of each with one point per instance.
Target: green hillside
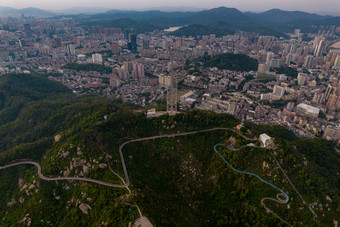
(234, 62)
(88, 67)
(175, 181)
(18, 89)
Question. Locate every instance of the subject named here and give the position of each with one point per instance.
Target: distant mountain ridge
(219, 21)
(30, 11)
(281, 16)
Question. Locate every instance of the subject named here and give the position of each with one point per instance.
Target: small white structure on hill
(265, 139)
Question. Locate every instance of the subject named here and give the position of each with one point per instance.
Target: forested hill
(175, 181)
(234, 62)
(29, 86)
(17, 90)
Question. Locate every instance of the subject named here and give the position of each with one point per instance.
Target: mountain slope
(280, 16)
(16, 90)
(228, 15)
(181, 182)
(30, 11)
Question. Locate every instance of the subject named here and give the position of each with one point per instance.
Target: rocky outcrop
(20, 182)
(84, 208)
(57, 138)
(12, 202)
(26, 220)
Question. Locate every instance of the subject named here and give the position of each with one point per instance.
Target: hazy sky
(243, 5)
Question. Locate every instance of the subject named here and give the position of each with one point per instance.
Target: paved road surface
(168, 136)
(61, 178)
(127, 181)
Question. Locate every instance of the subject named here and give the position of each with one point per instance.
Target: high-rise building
(165, 44)
(172, 89)
(337, 62)
(97, 58)
(115, 48)
(317, 41)
(146, 43)
(319, 49)
(290, 106)
(318, 97)
(71, 49)
(114, 83)
(134, 69)
(137, 70)
(122, 74)
(275, 63)
(132, 45)
(262, 68)
(293, 49)
(301, 78)
(308, 61)
(332, 96)
(28, 30)
(278, 92)
(270, 56)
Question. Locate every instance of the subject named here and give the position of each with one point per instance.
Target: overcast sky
(243, 5)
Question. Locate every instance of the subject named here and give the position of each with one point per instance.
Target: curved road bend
(61, 178)
(168, 136)
(127, 183)
(278, 199)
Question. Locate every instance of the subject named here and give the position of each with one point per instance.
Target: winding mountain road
(278, 199)
(168, 136)
(127, 180)
(61, 178)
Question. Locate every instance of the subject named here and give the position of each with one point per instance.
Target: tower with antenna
(171, 97)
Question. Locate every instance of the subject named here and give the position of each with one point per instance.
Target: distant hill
(30, 11)
(281, 16)
(177, 9)
(35, 12)
(82, 10)
(221, 28)
(16, 90)
(138, 15)
(7, 10)
(126, 23)
(229, 15)
(219, 21)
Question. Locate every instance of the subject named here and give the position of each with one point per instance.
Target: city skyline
(314, 6)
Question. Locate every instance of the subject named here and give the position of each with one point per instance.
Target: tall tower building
(28, 30)
(319, 49)
(308, 61)
(270, 56)
(115, 48)
(172, 89)
(317, 41)
(301, 78)
(71, 49)
(337, 62)
(97, 58)
(333, 96)
(132, 45)
(146, 43)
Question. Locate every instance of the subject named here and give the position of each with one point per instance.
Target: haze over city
(327, 6)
